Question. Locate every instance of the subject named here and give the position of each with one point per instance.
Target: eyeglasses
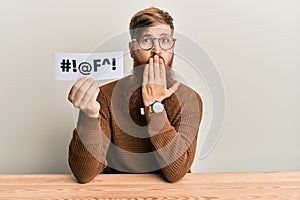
(147, 42)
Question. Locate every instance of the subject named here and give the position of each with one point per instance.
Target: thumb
(96, 94)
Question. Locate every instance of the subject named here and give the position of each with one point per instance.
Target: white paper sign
(99, 66)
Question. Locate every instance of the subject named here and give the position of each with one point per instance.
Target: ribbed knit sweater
(122, 140)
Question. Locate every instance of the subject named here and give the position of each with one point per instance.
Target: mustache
(140, 61)
(159, 57)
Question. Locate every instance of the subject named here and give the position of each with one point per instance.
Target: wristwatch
(155, 107)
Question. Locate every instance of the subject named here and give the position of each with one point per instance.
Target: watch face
(157, 107)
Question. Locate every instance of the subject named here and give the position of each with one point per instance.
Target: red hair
(147, 18)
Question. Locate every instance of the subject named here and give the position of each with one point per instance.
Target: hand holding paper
(83, 95)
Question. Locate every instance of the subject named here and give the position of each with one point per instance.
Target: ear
(130, 46)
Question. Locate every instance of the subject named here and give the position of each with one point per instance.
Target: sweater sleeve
(175, 143)
(90, 143)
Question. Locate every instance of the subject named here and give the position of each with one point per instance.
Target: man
(145, 122)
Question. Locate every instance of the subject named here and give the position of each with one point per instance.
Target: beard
(138, 62)
(139, 66)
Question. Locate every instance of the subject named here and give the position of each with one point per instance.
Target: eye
(146, 40)
(165, 40)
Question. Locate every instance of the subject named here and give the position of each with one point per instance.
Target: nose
(156, 48)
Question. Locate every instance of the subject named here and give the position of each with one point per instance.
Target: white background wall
(255, 45)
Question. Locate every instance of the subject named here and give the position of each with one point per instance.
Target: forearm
(174, 149)
(88, 149)
(83, 165)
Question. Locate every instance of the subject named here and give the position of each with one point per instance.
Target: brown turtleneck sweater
(122, 140)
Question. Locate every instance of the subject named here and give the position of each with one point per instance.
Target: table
(208, 186)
